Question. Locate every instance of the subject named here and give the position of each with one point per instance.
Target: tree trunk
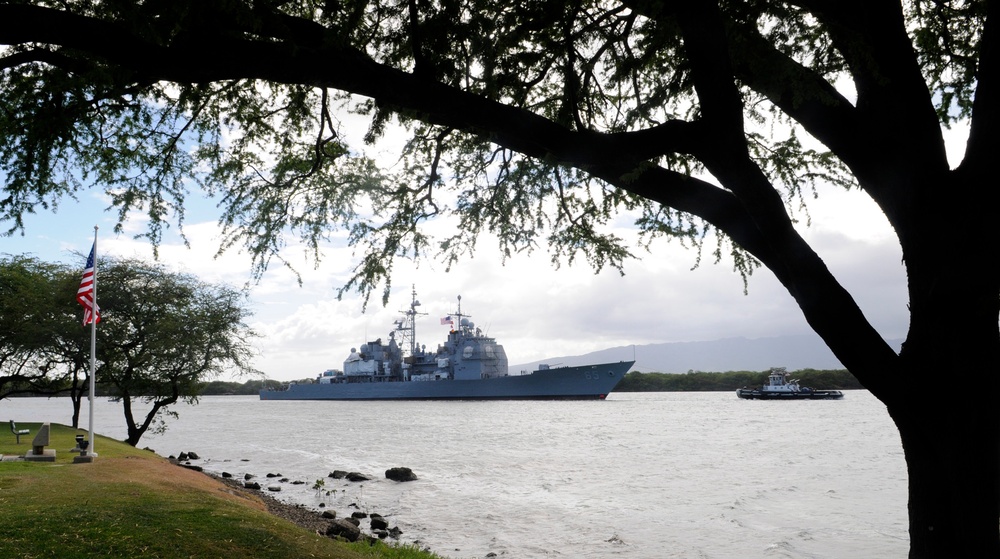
(75, 399)
(953, 459)
(76, 392)
(137, 430)
(949, 423)
(941, 390)
(132, 430)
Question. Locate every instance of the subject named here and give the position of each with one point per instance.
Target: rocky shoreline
(323, 522)
(296, 514)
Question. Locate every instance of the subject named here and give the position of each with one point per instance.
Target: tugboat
(779, 387)
(468, 366)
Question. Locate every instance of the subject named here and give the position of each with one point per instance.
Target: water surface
(640, 475)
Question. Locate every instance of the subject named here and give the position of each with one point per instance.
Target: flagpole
(93, 351)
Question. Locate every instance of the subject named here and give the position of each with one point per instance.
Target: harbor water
(639, 475)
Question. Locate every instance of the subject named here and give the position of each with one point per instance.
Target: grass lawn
(134, 503)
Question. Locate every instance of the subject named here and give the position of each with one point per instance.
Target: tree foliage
(162, 336)
(701, 381)
(245, 388)
(38, 349)
(540, 122)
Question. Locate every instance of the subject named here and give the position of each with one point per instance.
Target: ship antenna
(408, 325)
(413, 320)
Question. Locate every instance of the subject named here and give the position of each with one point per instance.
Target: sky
(536, 311)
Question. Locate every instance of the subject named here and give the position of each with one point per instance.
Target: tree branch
(800, 93)
(893, 103)
(827, 306)
(981, 147)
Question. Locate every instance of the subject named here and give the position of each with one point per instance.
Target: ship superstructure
(466, 354)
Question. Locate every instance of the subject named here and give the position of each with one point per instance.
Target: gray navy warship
(468, 366)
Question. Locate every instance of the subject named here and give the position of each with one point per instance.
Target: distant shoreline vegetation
(692, 381)
(698, 381)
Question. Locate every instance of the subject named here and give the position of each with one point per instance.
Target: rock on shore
(400, 474)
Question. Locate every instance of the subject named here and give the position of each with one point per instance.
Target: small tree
(38, 348)
(161, 335)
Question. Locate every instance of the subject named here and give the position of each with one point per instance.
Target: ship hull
(587, 382)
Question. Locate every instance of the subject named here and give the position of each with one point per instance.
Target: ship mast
(407, 326)
(458, 316)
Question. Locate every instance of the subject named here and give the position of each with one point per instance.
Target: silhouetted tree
(539, 121)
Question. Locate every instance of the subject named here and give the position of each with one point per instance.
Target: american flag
(447, 320)
(85, 295)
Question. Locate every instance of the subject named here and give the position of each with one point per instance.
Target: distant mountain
(729, 354)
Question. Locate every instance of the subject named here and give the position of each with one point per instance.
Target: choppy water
(650, 475)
